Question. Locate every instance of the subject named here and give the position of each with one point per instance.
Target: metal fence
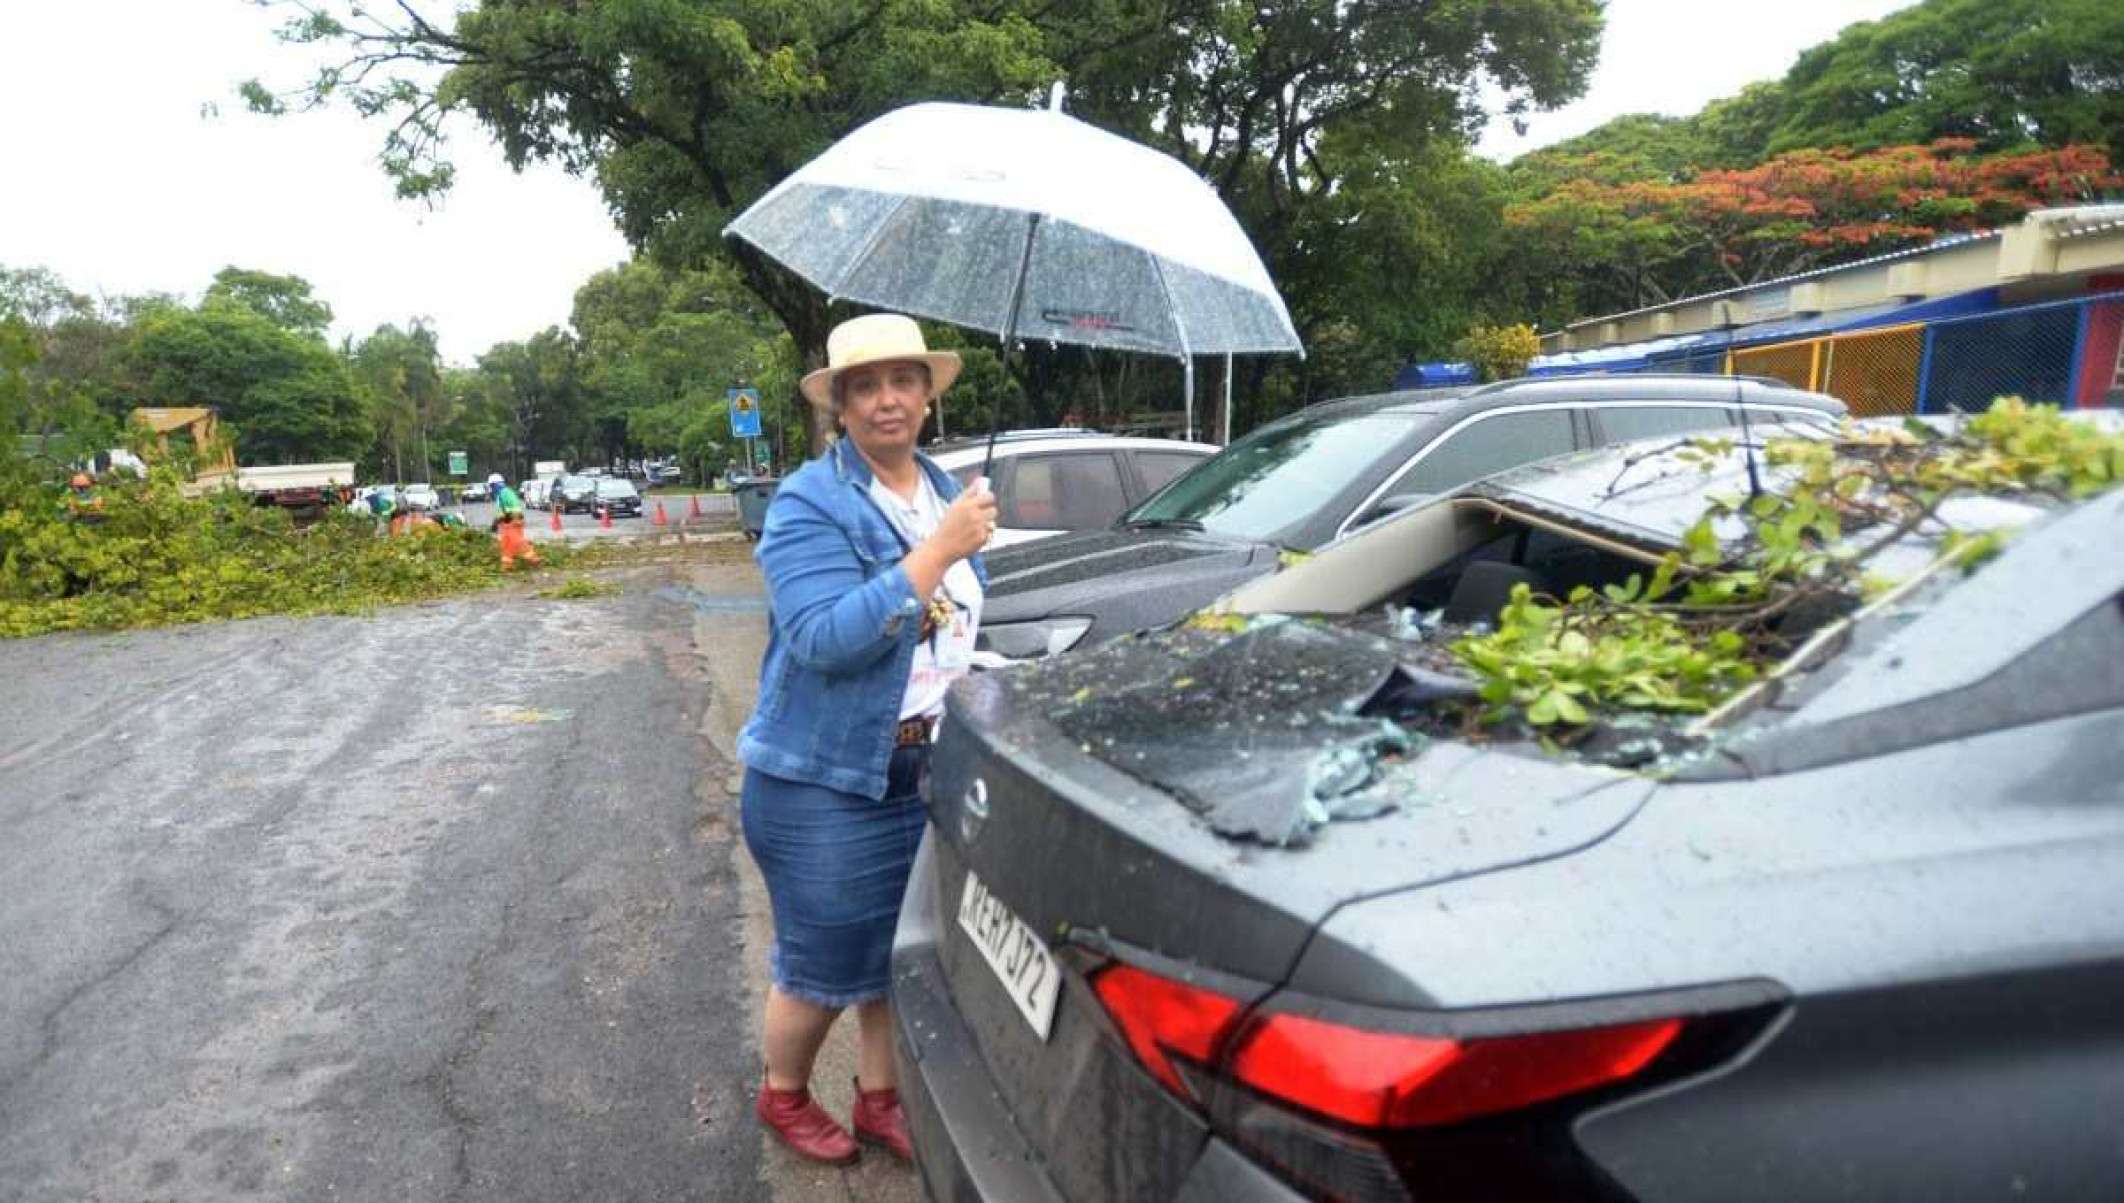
(2068, 353)
(1795, 363)
(2041, 352)
(1875, 371)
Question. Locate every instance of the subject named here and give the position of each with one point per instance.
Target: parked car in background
(572, 493)
(618, 496)
(421, 497)
(1240, 910)
(1306, 479)
(1051, 482)
(533, 493)
(473, 491)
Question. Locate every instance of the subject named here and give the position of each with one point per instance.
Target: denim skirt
(836, 866)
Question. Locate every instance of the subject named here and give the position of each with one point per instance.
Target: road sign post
(460, 463)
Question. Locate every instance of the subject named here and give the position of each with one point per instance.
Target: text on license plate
(1020, 959)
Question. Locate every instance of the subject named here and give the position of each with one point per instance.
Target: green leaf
(1625, 593)
(1544, 710)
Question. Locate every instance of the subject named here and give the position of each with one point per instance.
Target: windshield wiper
(1162, 524)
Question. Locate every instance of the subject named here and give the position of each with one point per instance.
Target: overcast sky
(117, 179)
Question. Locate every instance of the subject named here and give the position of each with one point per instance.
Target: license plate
(1020, 959)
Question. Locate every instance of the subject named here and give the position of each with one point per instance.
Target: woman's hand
(967, 525)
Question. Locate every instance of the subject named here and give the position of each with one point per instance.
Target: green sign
(459, 464)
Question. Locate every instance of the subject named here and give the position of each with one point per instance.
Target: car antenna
(1755, 482)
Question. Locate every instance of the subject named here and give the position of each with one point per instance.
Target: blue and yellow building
(2035, 310)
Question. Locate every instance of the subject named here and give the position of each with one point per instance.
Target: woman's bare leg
(874, 1068)
(794, 1031)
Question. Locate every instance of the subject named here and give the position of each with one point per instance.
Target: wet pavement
(441, 903)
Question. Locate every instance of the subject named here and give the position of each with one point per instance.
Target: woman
(874, 588)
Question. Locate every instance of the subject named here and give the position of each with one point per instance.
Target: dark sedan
(618, 497)
(572, 494)
(1258, 909)
(1304, 480)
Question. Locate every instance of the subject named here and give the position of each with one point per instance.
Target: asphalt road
(440, 904)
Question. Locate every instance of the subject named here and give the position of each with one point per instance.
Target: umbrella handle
(1010, 335)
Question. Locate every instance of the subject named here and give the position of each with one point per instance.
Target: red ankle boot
(804, 1126)
(880, 1121)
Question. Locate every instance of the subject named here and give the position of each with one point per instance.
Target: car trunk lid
(1087, 804)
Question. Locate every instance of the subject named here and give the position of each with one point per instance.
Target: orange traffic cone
(556, 518)
(660, 520)
(696, 511)
(604, 517)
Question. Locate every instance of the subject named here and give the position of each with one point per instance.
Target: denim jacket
(842, 626)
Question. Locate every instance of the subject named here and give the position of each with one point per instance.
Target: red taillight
(1386, 1080)
(1158, 1015)
(1365, 1078)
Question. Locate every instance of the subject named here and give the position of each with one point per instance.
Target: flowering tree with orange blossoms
(1610, 243)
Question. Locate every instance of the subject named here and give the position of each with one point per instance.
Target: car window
(1280, 475)
(1490, 444)
(1079, 491)
(1158, 468)
(965, 473)
(1628, 423)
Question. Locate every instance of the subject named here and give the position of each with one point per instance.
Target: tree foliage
(287, 397)
(2001, 73)
(154, 556)
(286, 301)
(1946, 115)
(1714, 613)
(38, 297)
(1614, 240)
(1499, 352)
(398, 375)
(684, 114)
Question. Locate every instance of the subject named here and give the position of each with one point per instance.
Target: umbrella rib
(1172, 304)
(877, 235)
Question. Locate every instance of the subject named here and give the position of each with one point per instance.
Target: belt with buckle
(913, 733)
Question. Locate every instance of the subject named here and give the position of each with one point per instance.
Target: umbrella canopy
(1024, 222)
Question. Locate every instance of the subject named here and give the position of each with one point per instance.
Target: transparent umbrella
(1026, 223)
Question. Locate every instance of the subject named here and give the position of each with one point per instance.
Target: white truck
(307, 489)
(546, 469)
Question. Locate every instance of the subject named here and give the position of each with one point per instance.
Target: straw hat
(877, 338)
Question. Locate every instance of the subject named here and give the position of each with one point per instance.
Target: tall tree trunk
(818, 425)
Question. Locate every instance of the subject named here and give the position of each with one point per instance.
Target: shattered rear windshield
(1266, 733)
